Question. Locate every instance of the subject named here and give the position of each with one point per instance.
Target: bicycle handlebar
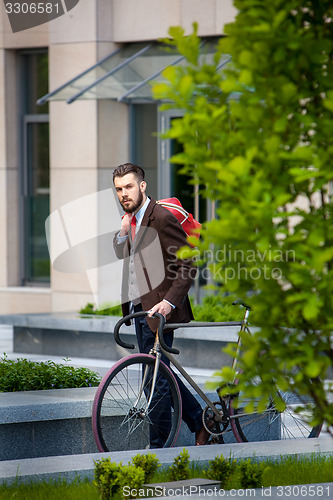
(240, 302)
(159, 316)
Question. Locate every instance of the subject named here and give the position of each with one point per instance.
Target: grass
(51, 490)
(313, 469)
(292, 470)
(287, 471)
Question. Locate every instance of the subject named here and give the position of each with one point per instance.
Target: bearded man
(157, 284)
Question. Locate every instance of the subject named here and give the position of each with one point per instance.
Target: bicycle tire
(271, 424)
(116, 424)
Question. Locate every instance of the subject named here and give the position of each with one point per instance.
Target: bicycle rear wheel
(273, 424)
(121, 418)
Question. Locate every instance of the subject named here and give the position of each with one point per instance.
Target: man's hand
(162, 307)
(125, 224)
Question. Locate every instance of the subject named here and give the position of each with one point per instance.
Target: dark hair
(127, 168)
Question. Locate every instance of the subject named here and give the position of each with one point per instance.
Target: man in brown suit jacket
(154, 278)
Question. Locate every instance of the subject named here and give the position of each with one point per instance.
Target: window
(144, 142)
(35, 170)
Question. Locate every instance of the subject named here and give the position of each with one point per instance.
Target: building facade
(56, 153)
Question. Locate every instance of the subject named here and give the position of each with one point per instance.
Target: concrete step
(29, 420)
(72, 466)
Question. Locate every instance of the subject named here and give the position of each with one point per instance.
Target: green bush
(251, 474)
(24, 375)
(106, 477)
(216, 308)
(106, 310)
(213, 308)
(180, 469)
(220, 469)
(132, 478)
(110, 478)
(149, 463)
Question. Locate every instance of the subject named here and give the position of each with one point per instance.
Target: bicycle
(126, 403)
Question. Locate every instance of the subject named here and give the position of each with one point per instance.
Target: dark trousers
(191, 409)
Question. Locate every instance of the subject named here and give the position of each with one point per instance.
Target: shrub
(149, 463)
(24, 375)
(131, 477)
(216, 308)
(213, 308)
(106, 477)
(110, 477)
(180, 470)
(251, 474)
(105, 310)
(220, 469)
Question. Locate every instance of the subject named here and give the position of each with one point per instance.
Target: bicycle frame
(244, 326)
(161, 347)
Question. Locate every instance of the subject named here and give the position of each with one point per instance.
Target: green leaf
(170, 73)
(322, 257)
(281, 124)
(312, 307)
(313, 369)
(239, 165)
(160, 90)
(228, 86)
(186, 85)
(289, 91)
(328, 102)
(245, 77)
(246, 58)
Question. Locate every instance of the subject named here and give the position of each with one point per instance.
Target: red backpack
(190, 225)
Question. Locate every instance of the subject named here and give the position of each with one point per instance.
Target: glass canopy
(126, 74)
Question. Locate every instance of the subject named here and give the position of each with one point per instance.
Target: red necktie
(133, 226)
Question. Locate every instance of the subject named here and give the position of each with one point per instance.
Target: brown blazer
(160, 274)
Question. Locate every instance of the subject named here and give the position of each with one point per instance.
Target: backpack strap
(180, 209)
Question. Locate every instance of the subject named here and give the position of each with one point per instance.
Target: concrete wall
(133, 21)
(35, 37)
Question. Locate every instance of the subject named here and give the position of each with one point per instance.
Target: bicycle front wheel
(127, 415)
(273, 424)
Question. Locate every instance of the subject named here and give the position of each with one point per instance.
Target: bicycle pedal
(216, 440)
